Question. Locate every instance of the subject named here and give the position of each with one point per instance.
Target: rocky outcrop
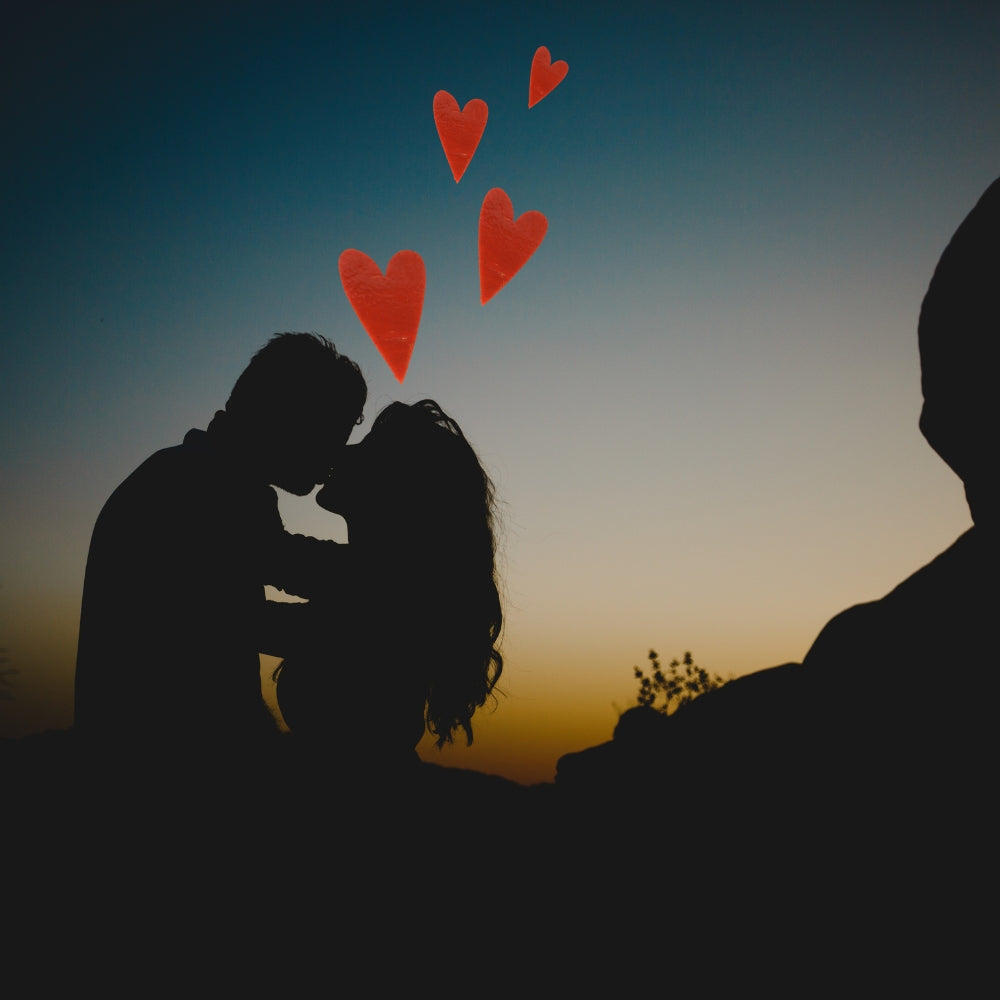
(889, 713)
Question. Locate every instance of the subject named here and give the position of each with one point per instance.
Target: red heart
(545, 75)
(505, 245)
(388, 305)
(459, 131)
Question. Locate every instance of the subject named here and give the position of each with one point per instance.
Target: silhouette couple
(400, 627)
(399, 633)
(838, 809)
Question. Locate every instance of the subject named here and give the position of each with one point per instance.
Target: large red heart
(505, 245)
(545, 75)
(459, 131)
(388, 305)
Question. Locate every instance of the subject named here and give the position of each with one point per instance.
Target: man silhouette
(168, 651)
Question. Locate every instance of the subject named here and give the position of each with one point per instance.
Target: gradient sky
(698, 399)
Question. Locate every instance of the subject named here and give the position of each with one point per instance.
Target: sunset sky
(698, 399)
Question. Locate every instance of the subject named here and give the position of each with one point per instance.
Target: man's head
(958, 332)
(294, 406)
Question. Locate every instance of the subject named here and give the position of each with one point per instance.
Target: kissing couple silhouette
(400, 626)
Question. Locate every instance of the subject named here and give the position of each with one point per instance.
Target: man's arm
(299, 564)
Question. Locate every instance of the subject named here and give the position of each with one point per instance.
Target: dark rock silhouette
(896, 692)
(959, 322)
(925, 655)
(855, 782)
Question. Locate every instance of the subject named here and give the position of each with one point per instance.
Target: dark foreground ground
(242, 876)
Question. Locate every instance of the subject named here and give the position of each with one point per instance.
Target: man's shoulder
(171, 465)
(187, 476)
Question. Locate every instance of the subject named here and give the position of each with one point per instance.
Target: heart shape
(459, 130)
(388, 305)
(505, 245)
(545, 75)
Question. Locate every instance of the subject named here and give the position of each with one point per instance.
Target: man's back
(168, 648)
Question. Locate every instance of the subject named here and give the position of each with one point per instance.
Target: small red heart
(505, 245)
(545, 75)
(459, 131)
(388, 305)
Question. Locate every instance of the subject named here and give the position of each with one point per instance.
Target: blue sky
(699, 398)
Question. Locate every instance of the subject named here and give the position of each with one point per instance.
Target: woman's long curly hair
(446, 544)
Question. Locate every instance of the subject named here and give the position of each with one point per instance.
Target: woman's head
(420, 506)
(414, 467)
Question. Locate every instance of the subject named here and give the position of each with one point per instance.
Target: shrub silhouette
(666, 689)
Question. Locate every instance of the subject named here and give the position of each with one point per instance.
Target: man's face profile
(306, 447)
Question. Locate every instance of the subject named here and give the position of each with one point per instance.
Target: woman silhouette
(408, 642)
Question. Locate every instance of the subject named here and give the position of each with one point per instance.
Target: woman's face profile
(384, 481)
(337, 492)
(359, 479)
